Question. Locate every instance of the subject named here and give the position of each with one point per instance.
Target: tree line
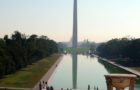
(18, 51)
(125, 51)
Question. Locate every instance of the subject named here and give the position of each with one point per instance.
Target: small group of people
(67, 89)
(49, 88)
(94, 88)
(44, 85)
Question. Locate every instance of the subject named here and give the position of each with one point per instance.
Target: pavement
(120, 66)
(48, 76)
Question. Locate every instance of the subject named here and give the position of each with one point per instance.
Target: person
(43, 84)
(88, 87)
(94, 88)
(46, 83)
(47, 88)
(97, 88)
(40, 86)
(51, 88)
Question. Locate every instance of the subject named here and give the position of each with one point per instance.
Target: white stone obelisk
(74, 41)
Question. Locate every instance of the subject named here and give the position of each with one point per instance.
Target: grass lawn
(135, 68)
(29, 76)
(78, 50)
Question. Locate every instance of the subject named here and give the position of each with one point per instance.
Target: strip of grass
(76, 50)
(29, 76)
(136, 68)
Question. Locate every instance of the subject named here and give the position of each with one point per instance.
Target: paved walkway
(47, 77)
(74, 89)
(120, 66)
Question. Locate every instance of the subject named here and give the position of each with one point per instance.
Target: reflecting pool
(79, 71)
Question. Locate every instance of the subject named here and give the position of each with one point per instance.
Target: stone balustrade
(120, 81)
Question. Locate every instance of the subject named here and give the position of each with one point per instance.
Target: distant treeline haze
(124, 51)
(18, 51)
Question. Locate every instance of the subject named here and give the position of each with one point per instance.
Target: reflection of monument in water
(74, 70)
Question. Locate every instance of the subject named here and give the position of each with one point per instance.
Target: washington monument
(74, 41)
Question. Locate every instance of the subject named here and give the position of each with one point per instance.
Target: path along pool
(77, 71)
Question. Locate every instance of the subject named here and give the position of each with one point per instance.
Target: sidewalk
(120, 66)
(47, 77)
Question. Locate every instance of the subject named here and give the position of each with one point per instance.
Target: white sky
(98, 20)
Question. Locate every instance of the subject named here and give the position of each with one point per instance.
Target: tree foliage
(18, 51)
(121, 48)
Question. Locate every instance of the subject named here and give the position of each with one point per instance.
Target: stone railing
(120, 81)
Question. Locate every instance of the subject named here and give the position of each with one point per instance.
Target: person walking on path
(88, 87)
(51, 88)
(40, 86)
(47, 88)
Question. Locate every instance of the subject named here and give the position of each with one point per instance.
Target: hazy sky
(98, 20)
